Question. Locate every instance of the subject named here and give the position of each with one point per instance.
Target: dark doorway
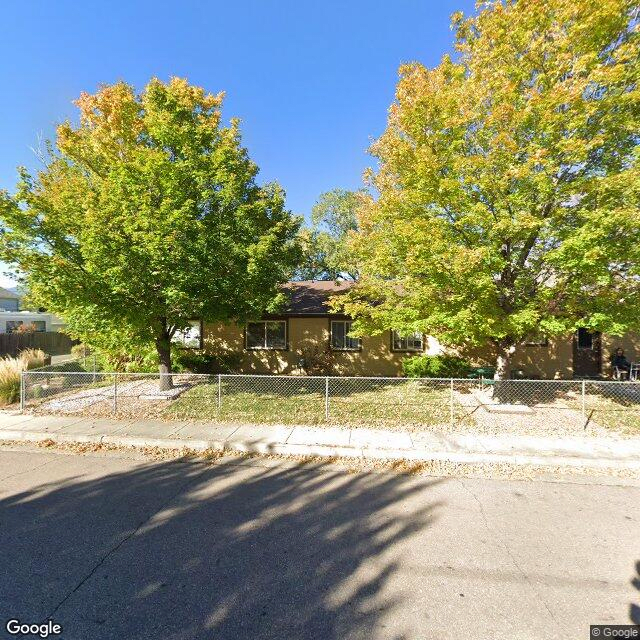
(587, 354)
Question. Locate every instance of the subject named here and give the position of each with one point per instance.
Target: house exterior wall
(27, 317)
(375, 358)
(9, 304)
(550, 361)
(629, 342)
(553, 360)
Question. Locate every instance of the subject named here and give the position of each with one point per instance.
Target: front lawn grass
(614, 415)
(615, 407)
(391, 404)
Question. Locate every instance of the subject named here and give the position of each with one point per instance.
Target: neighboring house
(278, 343)
(12, 318)
(15, 321)
(9, 301)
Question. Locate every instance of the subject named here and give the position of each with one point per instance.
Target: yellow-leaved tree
(508, 186)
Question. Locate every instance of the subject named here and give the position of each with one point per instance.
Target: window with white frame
(340, 340)
(191, 337)
(585, 338)
(266, 334)
(411, 342)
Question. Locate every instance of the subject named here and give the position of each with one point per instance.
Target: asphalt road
(111, 547)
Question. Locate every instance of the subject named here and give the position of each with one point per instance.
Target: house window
(340, 340)
(412, 342)
(536, 340)
(585, 339)
(191, 337)
(13, 325)
(39, 326)
(266, 334)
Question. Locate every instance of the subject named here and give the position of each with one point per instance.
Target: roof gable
(6, 294)
(311, 297)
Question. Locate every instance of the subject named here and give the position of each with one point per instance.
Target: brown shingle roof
(310, 297)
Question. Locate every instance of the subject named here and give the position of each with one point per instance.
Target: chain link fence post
(115, 393)
(453, 420)
(326, 398)
(22, 391)
(219, 392)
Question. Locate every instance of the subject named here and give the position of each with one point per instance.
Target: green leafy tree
(147, 215)
(509, 183)
(325, 248)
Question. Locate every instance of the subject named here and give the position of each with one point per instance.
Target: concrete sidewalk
(328, 441)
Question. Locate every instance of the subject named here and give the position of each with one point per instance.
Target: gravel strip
(127, 393)
(439, 468)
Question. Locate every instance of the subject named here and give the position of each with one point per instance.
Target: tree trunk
(163, 347)
(502, 389)
(503, 365)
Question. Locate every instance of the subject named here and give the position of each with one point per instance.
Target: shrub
(32, 358)
(122, 359)
(317, 361)
(25, 328)
(442, 366)
(143, 360)
(137, 359)
(194, 361)
(10, 370)
(81, 350)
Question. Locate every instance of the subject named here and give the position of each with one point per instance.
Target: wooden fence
(51, 342)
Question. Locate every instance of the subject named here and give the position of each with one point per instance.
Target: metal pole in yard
(219, 391)
(94, 367)
(584, 402)
(22, 390)
(115, 393)
(326, 398)
(451, 405)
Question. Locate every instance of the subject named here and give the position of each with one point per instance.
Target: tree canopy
(146, 215)
(325, 244)
(508, 185)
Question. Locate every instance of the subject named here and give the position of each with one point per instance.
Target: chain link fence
(78, 387)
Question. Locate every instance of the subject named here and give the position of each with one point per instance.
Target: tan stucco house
(277, 344)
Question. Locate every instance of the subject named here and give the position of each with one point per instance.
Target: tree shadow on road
(184, 550)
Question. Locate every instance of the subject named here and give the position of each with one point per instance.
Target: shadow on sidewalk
(182, 550)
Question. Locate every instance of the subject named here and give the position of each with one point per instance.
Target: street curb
(325, 451)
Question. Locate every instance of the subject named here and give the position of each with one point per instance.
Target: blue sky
(310, 80)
